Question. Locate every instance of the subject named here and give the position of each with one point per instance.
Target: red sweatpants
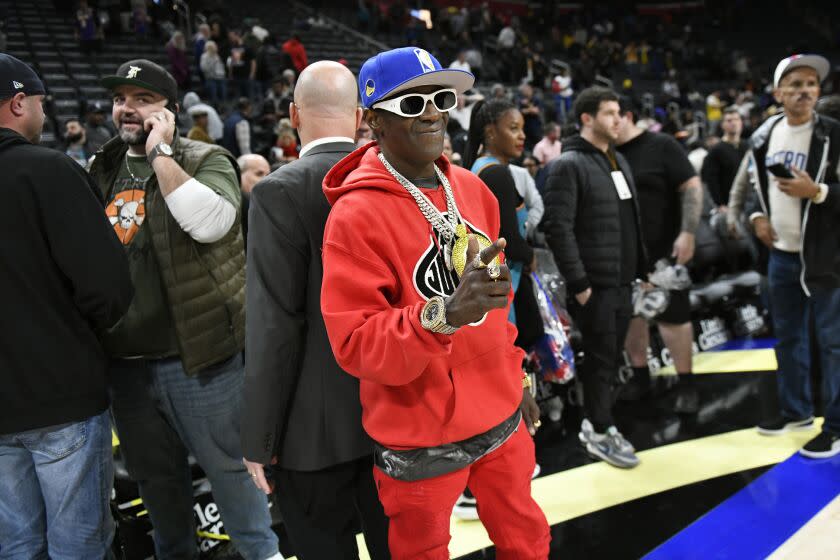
(420, 511)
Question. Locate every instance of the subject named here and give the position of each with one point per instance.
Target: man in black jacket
(796, 219)
(63, 278)
(592, 226)
(302, 412)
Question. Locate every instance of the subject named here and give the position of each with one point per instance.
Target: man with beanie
(63, 280)
(176, 366)
(415, 301)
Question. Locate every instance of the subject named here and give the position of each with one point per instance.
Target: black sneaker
(782, 425)
(823, 446)
(633, 390)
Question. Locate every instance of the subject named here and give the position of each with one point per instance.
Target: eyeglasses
(413, 104)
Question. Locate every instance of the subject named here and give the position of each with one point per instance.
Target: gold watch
(433, 316)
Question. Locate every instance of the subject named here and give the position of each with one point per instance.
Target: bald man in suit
(302, 419)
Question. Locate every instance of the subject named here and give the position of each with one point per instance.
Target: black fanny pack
(428, 462)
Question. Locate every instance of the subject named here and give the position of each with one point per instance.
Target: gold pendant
(459, 248)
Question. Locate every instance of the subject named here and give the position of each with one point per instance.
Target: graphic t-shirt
(789, 145)
(146, 330)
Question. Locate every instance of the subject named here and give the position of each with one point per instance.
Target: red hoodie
(382, 262)
(297, 52)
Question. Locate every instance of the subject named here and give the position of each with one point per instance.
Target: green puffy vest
(204, 282)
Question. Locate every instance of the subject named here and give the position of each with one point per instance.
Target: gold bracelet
(526, 381)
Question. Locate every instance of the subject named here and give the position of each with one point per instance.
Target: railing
(376, 45)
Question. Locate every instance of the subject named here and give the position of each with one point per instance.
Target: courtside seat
(748, 280)
(57, 79)
(63, 92)
(49, 140)
(94, 92)
(86, 79)
(66, 106)
(714, 293)
(47, 55)
(51, 67)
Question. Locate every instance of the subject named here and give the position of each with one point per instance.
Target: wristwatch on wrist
(162, 149)
(433, 317)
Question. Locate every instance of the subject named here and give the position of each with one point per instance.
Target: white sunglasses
(413, 104)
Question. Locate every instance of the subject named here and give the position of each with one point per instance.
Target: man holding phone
(794, 161)
(175, 358)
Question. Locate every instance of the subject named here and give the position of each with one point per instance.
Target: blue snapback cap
(397, 70)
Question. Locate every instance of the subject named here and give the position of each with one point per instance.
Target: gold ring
(494, 271)
(478, 263)
(537, 423)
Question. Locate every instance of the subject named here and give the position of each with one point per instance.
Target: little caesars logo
(209, 522)
(712, 333)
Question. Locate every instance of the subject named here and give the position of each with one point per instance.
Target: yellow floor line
(590, 488)
(576, 492)
(731, 361)
(817, 539)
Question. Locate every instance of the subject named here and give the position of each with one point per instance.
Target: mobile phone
(779, 170)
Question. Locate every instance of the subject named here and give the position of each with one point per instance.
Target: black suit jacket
(298, 404)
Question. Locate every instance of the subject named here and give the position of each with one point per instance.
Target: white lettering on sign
(713, 333)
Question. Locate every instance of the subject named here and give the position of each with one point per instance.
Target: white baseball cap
(815, 61)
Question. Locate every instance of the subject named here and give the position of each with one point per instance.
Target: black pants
(529, 324)
(603, 321)
(324, 509)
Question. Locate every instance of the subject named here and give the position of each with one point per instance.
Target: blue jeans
(55, 489)
(791, 309)
(162, 415)
(216, 90)
(246, 87)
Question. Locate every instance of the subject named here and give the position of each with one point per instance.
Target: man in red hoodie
(419, 315)
(297, 53)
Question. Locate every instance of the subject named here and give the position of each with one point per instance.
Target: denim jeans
(55, 489)
(162, 415)
(246, 87)
(216, 90)
(791, 310)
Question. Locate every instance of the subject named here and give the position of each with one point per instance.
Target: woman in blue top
(496, 137)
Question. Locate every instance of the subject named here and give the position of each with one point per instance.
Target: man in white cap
(793, 165)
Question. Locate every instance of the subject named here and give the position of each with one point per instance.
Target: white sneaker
(610, 446)
(465, 509)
